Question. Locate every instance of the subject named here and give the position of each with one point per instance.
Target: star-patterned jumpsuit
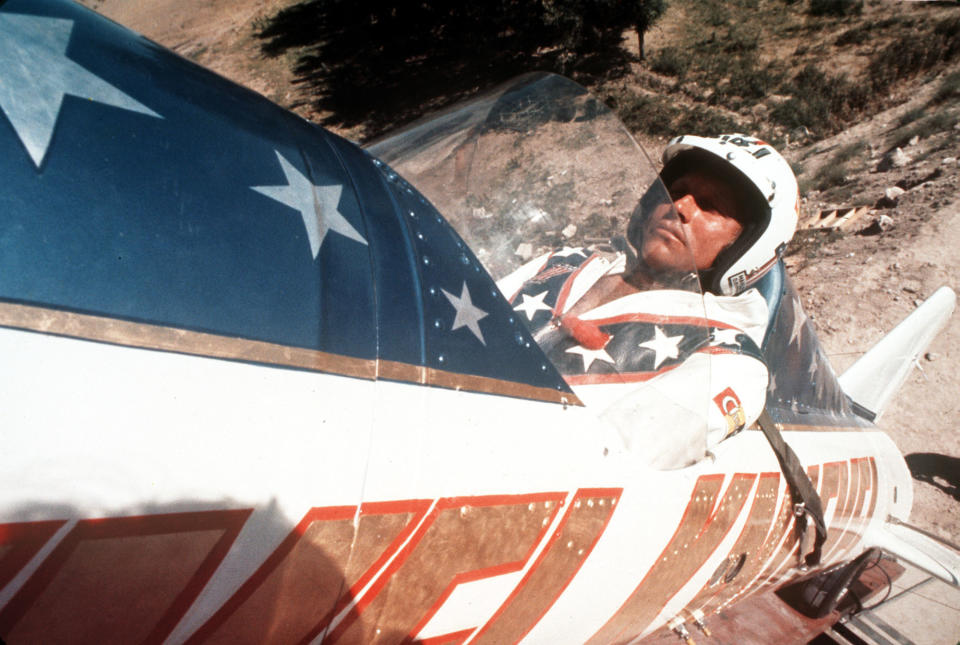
(676, 358)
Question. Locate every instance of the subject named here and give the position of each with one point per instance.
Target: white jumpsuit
(674, 371)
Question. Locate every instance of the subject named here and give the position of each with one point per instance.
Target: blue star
(37, 75)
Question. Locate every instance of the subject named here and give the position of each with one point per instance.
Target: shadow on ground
(937, 470)
(379, 64)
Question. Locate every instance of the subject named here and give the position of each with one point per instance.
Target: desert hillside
(863, 97)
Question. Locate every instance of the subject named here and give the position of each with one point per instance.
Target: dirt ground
(855, 286)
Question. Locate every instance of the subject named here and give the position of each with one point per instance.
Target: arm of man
(672, 420)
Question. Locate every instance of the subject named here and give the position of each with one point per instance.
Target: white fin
(921, 549)
(877, 375)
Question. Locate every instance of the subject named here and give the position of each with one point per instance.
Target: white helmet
(773, 189)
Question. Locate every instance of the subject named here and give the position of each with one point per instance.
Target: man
(611, 320)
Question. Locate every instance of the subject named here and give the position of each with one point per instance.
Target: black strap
(805, 498)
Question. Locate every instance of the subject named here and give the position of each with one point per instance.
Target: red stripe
(559, 589)
(24, 539)
(444, 504)
(568, 286)
(497, 570)
(454, 638)
(662, 319)
(77, 564)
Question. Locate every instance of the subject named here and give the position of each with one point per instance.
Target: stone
(949, 160)
(931, 356)
(569, 231)
(896, 159)
(525, 251)
(893, 192)
(890, 197)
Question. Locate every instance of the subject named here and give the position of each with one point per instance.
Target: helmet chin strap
(707, 278)
(641, 278)
(710, 278)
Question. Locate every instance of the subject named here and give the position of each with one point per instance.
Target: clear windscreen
(536, 165)
(567, 213)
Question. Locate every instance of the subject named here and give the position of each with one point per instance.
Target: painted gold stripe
(171, 339)
(496, 386)
(402, 372)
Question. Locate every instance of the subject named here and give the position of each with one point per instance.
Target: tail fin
(873, 380)
(925, 551)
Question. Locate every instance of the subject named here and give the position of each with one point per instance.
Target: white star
(591, 355)
(799, 317)
(37, 75)
(468, 315)
(726, 337)
(317, 205)
(532, 304)
(819, 388)
(567, 251)
(664, 346)
(812, 368)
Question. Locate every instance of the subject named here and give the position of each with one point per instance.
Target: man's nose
(686, 207)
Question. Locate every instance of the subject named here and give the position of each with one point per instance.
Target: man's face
(705, 223)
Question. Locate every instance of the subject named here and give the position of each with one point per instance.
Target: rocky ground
(860, 285)
(856, 285)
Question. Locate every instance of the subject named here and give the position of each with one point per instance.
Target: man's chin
(657, 272)
(667, 263)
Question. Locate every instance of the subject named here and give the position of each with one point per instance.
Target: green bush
(914, 53)
(711, 12)
(643, 113)
(835, 172)
(830, 175)
(749, 82)
(654, 114)
(819, 101)
(705, 121)
(848, 152)
(671, 61)
(740, 40)
(933, 124)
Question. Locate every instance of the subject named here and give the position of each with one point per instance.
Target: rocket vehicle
(260, 384)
